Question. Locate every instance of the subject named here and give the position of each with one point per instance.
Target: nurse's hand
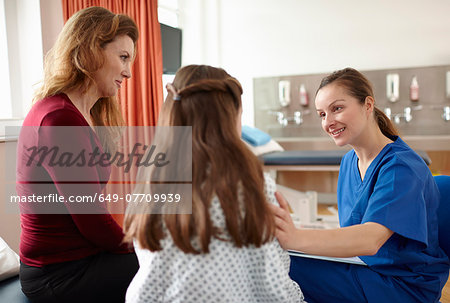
(285, 228)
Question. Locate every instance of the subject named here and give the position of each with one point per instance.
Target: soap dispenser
(392, 87)
(284, 93)
(304, 101)
(414, 90)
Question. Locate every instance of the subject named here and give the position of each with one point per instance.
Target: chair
(443, 183)
(11, 292)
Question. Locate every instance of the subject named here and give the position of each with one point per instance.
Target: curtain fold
(141, 96)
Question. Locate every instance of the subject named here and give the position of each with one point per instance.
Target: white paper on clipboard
(352, 260)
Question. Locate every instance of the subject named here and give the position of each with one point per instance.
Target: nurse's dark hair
(360, 87)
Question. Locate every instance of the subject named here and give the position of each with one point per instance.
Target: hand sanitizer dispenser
(414, 90)
(392, 87)
(284, 92)
(303, 96)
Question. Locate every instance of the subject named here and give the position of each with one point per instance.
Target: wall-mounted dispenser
(392, 87)
(284, 92)
(414, 90)
(304, 100)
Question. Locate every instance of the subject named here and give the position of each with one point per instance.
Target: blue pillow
(254, 136)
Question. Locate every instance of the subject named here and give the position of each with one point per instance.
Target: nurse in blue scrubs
(387, 202)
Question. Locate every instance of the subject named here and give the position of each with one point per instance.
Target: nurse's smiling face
(344, 118)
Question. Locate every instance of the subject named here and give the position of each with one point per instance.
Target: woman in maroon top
(73, 252)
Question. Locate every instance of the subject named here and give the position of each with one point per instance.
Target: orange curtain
(141, 96)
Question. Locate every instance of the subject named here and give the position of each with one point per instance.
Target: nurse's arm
(357, 240)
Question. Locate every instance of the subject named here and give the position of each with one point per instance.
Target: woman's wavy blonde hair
(78, 54)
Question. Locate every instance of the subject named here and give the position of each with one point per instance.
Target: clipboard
(352, 260)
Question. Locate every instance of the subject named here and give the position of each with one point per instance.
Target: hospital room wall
(265, 38)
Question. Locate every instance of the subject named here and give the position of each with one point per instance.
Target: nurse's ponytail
(385, 124)
(359, 87)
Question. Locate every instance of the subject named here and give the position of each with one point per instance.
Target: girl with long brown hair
(225, 250)
(387, 204)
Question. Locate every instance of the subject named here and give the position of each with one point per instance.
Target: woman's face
(118, 58)
(344, 118)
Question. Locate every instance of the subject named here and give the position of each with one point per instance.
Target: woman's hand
(285, 228)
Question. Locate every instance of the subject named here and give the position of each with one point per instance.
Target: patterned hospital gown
(226, 274)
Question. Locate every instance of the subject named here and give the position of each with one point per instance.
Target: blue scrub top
(399, 193)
